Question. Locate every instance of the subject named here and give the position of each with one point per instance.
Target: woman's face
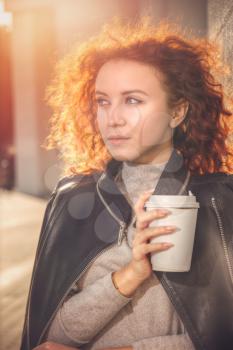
(134, 125)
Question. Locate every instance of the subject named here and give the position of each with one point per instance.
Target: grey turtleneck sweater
(97, 316)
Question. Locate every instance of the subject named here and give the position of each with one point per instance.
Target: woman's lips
(117, 141)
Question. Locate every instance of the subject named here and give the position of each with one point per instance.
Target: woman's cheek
(154, 129)
(133, 115)
(101, 123)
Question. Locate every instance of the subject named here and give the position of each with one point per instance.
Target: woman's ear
(179, 114)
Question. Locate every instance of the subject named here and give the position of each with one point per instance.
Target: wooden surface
(20, 221)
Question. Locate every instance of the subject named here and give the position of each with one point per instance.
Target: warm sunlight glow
(5, 17)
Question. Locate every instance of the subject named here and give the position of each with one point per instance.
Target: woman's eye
(100, 101)
(134, 99)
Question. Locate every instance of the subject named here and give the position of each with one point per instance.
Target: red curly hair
(191, 69)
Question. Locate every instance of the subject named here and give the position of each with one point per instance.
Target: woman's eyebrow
(123, 92)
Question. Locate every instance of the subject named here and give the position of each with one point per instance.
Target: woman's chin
(124, 157)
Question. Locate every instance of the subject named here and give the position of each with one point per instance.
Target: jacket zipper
(121, 235)
(221, 229)
(122, 231)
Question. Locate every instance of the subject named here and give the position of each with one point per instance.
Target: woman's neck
(159, 158)
(133, 179)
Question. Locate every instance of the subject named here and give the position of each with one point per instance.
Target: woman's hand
(48, 345)
(140, 263)
(132, 275)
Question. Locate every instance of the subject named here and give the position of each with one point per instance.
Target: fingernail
(166, 245)
(164, 211)
(171, 227)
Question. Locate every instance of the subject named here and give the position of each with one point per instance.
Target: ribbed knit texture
(97, 314)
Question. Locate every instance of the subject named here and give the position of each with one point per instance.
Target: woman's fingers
(149, 233)
(139, 205)
(145, 218)
(140, 263)
(141, 250)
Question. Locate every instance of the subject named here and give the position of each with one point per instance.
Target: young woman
(137, 110)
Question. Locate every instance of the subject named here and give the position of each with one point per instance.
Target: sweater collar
(173, 181)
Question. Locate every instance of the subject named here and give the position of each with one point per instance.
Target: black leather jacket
(88, 214)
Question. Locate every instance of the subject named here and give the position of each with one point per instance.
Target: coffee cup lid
(173, 201)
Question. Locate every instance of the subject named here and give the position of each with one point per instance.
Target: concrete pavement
(20, 222)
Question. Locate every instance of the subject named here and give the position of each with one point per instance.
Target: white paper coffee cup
(183, 215)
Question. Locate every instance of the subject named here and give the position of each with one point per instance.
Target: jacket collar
(173, 181)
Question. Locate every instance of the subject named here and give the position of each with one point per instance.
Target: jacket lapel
(174, 178)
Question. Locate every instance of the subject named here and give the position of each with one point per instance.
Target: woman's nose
(115, 116)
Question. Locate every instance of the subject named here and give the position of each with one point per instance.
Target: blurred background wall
(220, 28)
